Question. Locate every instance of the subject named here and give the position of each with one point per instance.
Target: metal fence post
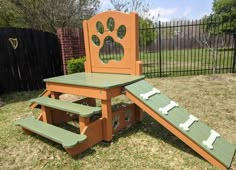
(159, 39)
(234, 59)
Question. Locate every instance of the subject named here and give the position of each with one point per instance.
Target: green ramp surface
(223, 151)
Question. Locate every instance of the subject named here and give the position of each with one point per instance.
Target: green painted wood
(66, 138)
(82, 110)
(98, 80)
(223, 151)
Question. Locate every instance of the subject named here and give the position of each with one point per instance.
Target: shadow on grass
(148, 126)
(14, 97)
(152, 128)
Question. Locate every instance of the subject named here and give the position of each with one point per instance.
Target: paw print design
(109, 49)
(116, 122)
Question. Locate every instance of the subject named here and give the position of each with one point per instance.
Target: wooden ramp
(201, 138)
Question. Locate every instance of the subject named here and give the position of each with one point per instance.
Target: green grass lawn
(146, 145)
(189, 62)
(182, 62)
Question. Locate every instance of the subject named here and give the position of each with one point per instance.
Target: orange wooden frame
(129, 64)
(100, 128)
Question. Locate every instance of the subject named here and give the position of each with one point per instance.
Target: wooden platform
(95, 80)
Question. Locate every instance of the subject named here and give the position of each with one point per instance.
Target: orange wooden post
(55, 95)
(107, 120)
(138, 114)
(83, 122)
(46, 114)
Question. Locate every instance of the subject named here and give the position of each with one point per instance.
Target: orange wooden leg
(46, 115)
(138, 114)
(94, 135)
(55, 95)
(107, 120)
(83, 121)
(27, 131)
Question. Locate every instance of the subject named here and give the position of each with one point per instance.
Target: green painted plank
(223, 150)
(98, 80)
(82, 110)
(66, 138)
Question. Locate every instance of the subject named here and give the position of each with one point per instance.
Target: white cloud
(162, 19)
(163, 11)
(162, 14)
(187, 11)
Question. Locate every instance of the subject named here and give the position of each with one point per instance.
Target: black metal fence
(183, 47)
(27, 57)
(188, 47)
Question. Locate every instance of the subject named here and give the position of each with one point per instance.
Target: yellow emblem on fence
(14, 42)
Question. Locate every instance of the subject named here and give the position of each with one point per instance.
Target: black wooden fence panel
(36, 57)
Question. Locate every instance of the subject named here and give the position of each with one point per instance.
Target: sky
(173, 9)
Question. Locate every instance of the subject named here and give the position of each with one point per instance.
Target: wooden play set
(105, 79)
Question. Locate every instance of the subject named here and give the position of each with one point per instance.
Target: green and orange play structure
(105, 79)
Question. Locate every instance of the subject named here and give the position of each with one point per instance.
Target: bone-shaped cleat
(167, 108)
(211, 139)
(147, 95)
(188, 123)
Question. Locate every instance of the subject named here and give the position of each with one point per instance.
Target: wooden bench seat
(66, 138)
(82, 110)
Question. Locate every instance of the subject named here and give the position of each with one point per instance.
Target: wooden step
(44, 93)
(82, 110)
(66, 138)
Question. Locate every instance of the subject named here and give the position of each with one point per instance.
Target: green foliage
(146, 36)
(223, 18)
(75, 65)
(46, 15)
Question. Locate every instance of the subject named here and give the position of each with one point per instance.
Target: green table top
(98, 80)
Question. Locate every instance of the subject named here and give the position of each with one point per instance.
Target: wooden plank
(223, 151)
(85, 91)
(66, 138)
(82, 110)
(44, 93)
(95, 80)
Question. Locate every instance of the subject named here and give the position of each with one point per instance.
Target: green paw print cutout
(109, 49)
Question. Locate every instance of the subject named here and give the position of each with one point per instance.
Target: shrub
(75, 65)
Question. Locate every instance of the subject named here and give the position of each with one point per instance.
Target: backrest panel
(92, 35)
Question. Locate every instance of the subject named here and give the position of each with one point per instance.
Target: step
(66, 138)
(44, 93)
(82, 110)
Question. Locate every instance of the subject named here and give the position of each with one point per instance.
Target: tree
(221, 21)
(147, 32)
(141, 7)
(48, 15)
(226, 11)
(8, 15)
(146, 36)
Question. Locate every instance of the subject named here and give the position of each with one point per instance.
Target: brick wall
(72, 44)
